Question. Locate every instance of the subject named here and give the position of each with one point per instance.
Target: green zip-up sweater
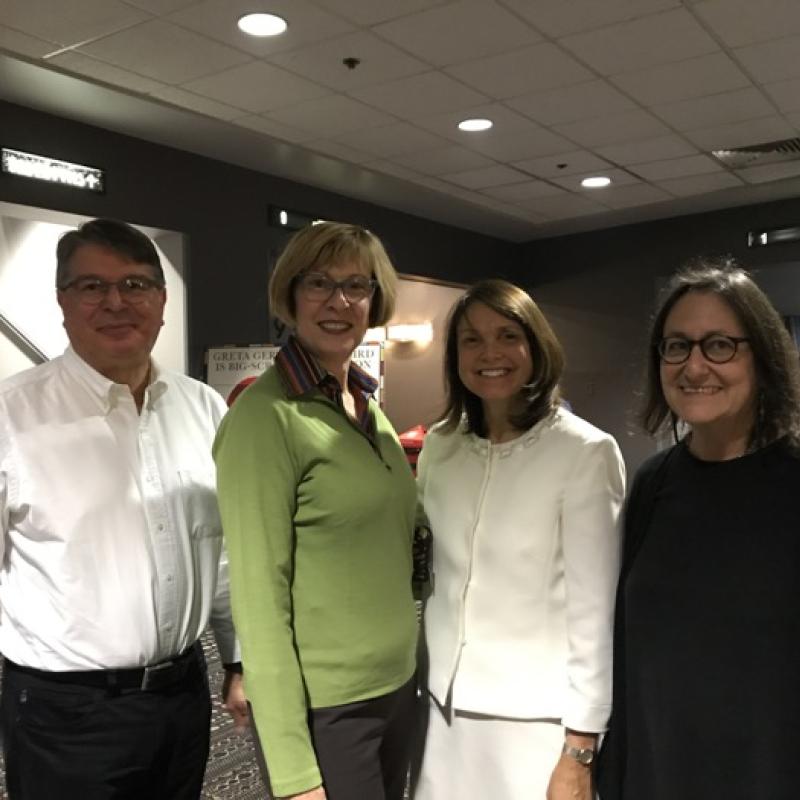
(318, 526)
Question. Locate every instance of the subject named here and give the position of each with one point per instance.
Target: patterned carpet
(232, 773)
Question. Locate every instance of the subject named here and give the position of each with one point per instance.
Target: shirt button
(160, 527)
(169, 578)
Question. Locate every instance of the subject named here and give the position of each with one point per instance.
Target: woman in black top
(707, 636)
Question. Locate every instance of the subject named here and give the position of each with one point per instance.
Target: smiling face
(331, 329)
(717, 400)
(494, 358)
(114, 336)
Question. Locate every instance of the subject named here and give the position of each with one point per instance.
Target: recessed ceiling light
(475, 125)
(262, 24)
(596, 182)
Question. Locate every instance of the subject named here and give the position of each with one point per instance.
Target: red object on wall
(412, 441)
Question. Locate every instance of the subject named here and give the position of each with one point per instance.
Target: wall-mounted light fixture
(773, 236)
(375, 335)
(291, 220)
(421, 333)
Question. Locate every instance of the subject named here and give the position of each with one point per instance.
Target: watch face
(583, 755)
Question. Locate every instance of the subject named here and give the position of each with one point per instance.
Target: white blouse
(526, 556)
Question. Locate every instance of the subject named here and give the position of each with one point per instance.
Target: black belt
(147, 679)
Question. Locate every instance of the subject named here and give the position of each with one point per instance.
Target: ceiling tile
(69, 23)
(338, 150)
(390, 168)
(567, 163)
(16, 42)
(513, 136)
(771, 61)
(695, 77)
(519, 144)
(700, 184)
(483, 27)
(202, 105)
(720, 109)
(322, 62)
(628, 196)
(786, 94)
(770, 172)
(563, 206)
(570, 103)
(670, 146)
(739, 22)
(164, 52)
(217, 20)
(561, 17)
(619, 177)
(392, 140)
(495, 175)
(418, 95)
(446, 124)
(106, 73)
(742, 134)
(371, 12)
(656, 39)
(256, 87)
(443, 160)
(541, 66)
(330, 116)
(677, 168)
(274, 129)
(161, 7)
(627, 126)
(524, 191)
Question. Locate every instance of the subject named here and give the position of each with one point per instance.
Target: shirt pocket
(198, 500)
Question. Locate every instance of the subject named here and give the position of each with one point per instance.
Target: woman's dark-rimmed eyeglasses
(716, 348)
(318, 286)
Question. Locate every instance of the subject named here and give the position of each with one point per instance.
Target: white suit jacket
(526, 556)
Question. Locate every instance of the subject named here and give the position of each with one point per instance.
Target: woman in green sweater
(317, 505)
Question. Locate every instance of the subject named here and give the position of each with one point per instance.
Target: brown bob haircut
(541, 395)
(775, 355)
(317, 247)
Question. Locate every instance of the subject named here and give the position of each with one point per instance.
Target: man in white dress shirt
(111, 561)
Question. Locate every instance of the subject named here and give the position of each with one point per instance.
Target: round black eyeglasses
(715, 347)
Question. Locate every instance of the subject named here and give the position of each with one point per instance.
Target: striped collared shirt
(302, 373)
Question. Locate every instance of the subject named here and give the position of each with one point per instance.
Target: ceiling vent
(759, 154)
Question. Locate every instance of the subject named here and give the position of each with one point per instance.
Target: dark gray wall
(222, 209)
(598, 290)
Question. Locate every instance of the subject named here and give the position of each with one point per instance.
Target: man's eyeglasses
(715, 347)
(318, 286)
(133, 289)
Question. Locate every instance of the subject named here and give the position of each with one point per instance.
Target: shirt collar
(301, 372)
(105, 389)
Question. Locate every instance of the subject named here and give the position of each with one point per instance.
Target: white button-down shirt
(111, 540)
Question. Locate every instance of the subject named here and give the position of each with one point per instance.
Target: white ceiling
(639, 90)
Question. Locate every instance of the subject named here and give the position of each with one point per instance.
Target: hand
(234, 700)
(311, 794)
(570, 781)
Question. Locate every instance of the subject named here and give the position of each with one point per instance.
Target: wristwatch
(583, 755)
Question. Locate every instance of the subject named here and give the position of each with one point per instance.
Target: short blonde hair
(324, 245)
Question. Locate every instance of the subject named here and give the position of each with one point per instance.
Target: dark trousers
(63, 741)
(364, 748)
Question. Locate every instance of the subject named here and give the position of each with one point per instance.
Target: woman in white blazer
(523, 499)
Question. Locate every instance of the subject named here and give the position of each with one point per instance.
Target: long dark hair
(775, 355)
(541, 395)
